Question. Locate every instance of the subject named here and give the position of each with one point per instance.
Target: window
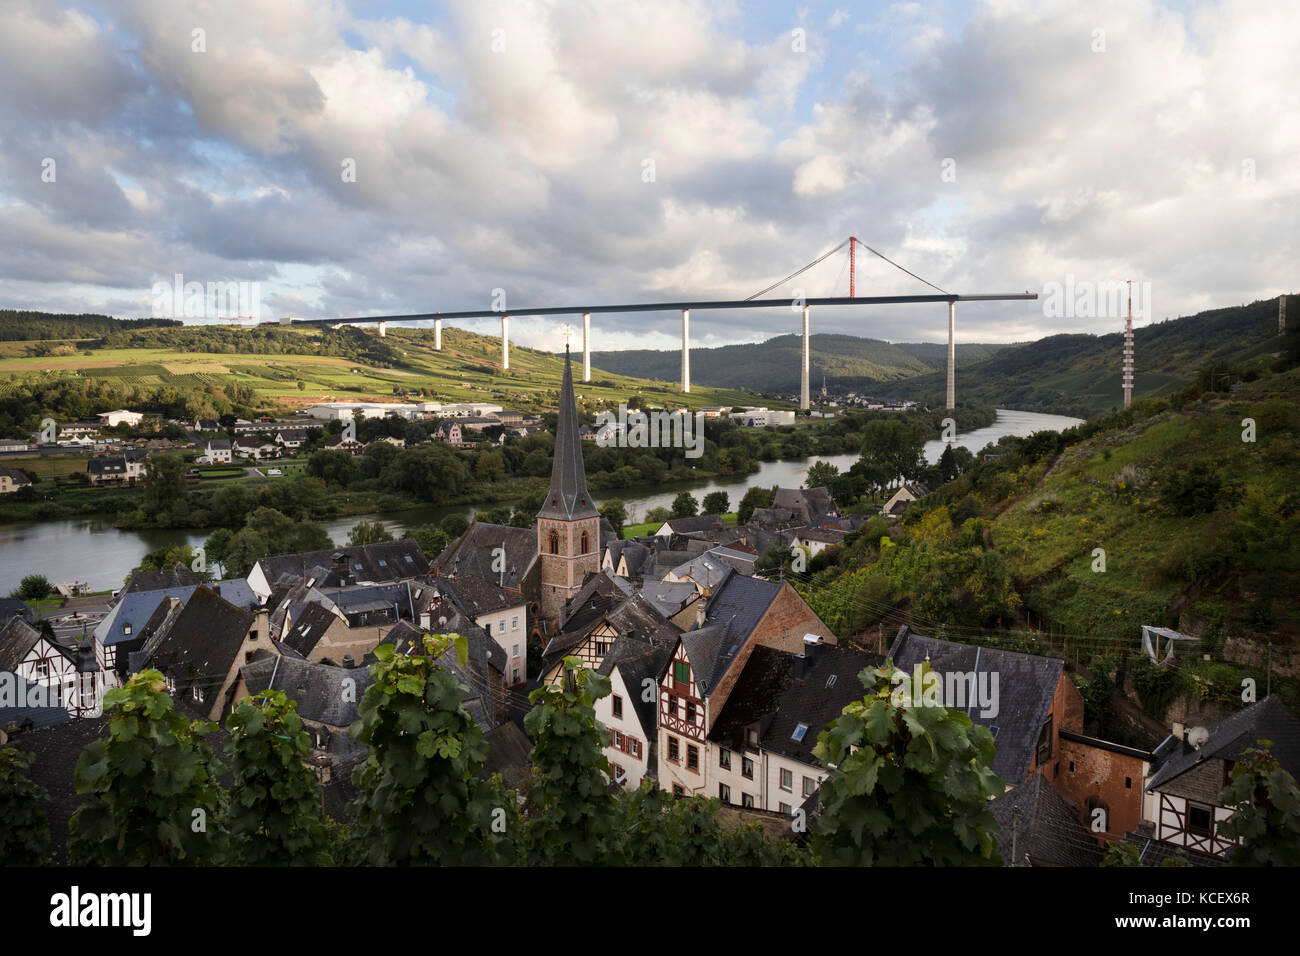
(747, 800)
(672, 705)
(787, 780)
(514, 650)
(514, 675)
(42, 669)
(799, 731)
(126, 629)
(679, 790)
(555, 542)
(636, 748)
(618, 706)
(724, 793)
(690, 711)
(751, 738)
(724, 758)
(785, 808)
(1071, 766)
(617, 740)
(514, 624)
(692, 757)
(747, 768)
(617, 774)
(1200, 820)
(1045, 742)
(681, 672)
(1128, 783)
(586, 543)
(602, 647)
(809, 786)
(197, 693)
(673, 753)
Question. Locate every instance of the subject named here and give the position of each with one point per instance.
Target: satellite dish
(1197, 737)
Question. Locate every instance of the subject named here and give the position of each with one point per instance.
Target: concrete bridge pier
(437, 334)
(805, 364)
(505, 342)
(586, 346)
(383, 329)
(952, 354)
(686, 350)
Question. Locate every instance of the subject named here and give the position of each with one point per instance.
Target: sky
(365, 157)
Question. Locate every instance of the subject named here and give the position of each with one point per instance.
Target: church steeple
(568, 499)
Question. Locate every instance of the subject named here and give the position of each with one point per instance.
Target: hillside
(292, 366)
(1197, 531)
(1081, 375)
(846, 361)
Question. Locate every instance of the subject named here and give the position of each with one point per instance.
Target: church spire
(568, 498)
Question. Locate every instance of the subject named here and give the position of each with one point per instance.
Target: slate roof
(406, 639)
(134, 609)
(17, 638)
(708, 570)
(476, 595)
(383, 561)
(631, 615)
(668, 597)
(1026, 686)
(200, 647)
(1229, 740)
(510, 753)
(780, 690)
(472, 553)
(177, 576)
(695, 524)
(56, 750)
(807, 503)
(568, 497)
(639, 658)
(21, 717)
(16, 476)
(318, 688)
(310, 623)
(9, 606)
(107, 465)
(1046, 827)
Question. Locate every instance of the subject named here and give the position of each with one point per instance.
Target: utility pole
(1128, 349)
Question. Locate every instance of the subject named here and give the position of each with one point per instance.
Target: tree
(570, 809)
(153, 795)
(948, 464)
(490, 466)
(685, 506)
(821, 474)
(1267, 815)
(453, 526)
(24, 834)
(164, 486)
(716, 503)
(911, 781)
(274, 817)
(419, 797)
(35, 587)
(754, 498)
(616, 512)
(658, 515)
(368, 532)
(891, 449)
(431, 539)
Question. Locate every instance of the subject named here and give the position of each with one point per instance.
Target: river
(101, 556)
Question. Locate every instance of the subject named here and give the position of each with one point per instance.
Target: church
(568, 524)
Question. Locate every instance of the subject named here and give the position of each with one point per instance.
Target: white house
(632, 665)
(219, 451)
(72, 676)
(109, 419)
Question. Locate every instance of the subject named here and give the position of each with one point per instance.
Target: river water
(101, 556)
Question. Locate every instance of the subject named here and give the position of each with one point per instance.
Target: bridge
(800, 304)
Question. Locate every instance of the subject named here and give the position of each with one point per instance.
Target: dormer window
(126, 629)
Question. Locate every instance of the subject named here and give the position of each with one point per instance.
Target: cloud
(506, 146)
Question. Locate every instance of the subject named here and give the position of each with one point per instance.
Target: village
(722, 677)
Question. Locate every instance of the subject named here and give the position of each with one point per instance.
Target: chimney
(1179, 730)
(348, 661)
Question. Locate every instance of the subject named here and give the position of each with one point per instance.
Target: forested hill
(846, 361)
(21, 325)
(1081, 374)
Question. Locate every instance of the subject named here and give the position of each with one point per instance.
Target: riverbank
(89, 548)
